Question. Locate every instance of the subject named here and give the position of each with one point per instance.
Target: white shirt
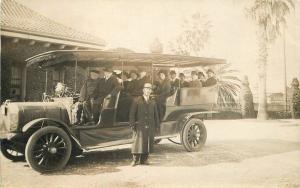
(146, 98)
(107, 77)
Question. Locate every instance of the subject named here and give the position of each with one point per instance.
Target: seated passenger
(195, 81)
(88, 95)
(173, 81)
(118, 75)
(125, 100)
(211, 78)
(162, 91)
(109, 87)
(201, 77)
(125, 81)
(141, 81)
(182, 81)
(133, 85)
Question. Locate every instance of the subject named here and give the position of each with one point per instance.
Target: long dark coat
(110, 86)
(210, 82)
(195, 83)
(133, 88)
(145, 122)
(175, 83)
(183, 83)
(163, 91)
(89, 89)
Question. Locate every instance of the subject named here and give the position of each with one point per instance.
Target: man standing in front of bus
(144, 121)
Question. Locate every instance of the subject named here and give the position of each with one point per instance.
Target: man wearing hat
(133, 84)
(195, 81)
(87, 100)
(201, 77)
(144, 121)
(211, 80)
(144, 78)
(173, 81)
(163, 91)
(182, 81)
(110, 86)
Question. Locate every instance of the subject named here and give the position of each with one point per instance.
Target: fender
(182, 120)
(54, 122)
(203, 113)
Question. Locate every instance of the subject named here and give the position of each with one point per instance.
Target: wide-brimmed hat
(148, 85)
(163, 72)
(134, 72)
(94, 71)
(201, 74)
(108, 69)
(172, 72)
(194, 73)
(126, 74)
(210, 70)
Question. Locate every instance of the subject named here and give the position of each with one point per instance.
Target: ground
(238, 153)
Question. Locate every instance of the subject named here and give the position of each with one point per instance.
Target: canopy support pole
(46, 81)
(178, 68)
(152, 73)
(122, 73)
(75, 84)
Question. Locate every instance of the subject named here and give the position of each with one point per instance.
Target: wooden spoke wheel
(193, 135)
(48, 149)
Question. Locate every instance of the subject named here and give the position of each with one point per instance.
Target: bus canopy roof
(93, 58)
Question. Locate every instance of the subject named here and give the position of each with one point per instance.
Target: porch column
(24, 81)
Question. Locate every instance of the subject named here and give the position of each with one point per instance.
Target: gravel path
(238, 153)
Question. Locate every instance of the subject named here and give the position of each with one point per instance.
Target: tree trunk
(262, 94)
(246, 100)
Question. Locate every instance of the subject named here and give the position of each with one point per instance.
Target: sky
(134, 24)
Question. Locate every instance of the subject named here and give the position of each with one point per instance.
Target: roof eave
(12, 32)
(164, 60)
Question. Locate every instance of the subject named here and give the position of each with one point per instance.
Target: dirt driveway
(238, 153)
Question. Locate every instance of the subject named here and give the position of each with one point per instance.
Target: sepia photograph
(150, 93)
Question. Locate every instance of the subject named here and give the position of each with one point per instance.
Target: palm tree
(194, 36)
(191, 41)
(228, 86)
(270, 16)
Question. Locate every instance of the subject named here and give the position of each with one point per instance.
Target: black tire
(8, 151)
(157, 141)
(193, 135)
(48, 149)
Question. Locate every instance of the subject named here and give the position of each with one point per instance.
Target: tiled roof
(18, 18)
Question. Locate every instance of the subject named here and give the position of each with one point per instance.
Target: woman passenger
(195, 81)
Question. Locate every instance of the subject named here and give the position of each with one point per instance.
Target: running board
(120, 143)
(164, 137)
(108, 144)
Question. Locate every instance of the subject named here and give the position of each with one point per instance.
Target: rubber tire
(184, 135)
(157, 141)
(4, 147)
(31, 143)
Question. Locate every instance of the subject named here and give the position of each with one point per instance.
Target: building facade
(25, 33)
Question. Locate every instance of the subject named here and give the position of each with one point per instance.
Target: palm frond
(270, 15)
(228, 86)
